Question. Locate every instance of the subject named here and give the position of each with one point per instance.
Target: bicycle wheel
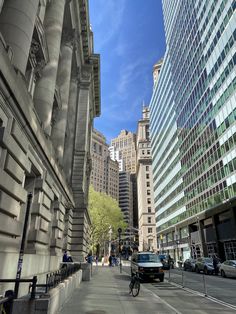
(136, 288)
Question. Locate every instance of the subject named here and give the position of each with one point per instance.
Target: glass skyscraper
(193, 130)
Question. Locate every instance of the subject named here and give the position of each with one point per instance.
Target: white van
(147, 265)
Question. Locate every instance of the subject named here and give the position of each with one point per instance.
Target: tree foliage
(105, 213)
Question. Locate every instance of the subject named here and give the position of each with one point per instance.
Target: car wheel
(206, 272)
(222, 273)
(161, 278)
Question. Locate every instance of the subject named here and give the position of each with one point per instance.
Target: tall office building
(125, 143)
(115, 154)
(123, 148)
(126, 197)
(193, 130)
(146, 211)
(49, 96)
(105, 171)
(156, 71)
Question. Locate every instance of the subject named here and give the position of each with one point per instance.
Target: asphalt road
(223, 289)
(108, 292)
(193, 300)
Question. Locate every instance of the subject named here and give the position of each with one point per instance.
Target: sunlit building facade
(193, 130)
(49, 96)
(105, 171)
(146, 211)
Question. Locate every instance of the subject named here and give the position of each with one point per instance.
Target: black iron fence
(54, 278)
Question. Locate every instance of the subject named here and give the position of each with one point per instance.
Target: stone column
(70, 138)
(63, 82)
(80, 225)
(45, 86)
(17, 21)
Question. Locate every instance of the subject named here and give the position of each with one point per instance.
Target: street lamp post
(109, 246)
(119, 233)
(23, 243)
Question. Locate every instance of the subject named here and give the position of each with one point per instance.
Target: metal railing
(55, 278)
(33, 282)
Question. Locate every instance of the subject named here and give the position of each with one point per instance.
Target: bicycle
(134, 286)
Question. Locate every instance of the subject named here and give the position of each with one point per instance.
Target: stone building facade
(126, 198)
(146, 210)
(49, 96)
(105, 171)
(123, 149)
(125, 143)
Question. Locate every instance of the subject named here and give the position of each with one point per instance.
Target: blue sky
(129, 35)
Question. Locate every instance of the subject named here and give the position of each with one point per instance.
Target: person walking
(215, 264)
(89, 258)
(110, 260)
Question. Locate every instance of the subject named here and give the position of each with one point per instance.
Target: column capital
(86, 74)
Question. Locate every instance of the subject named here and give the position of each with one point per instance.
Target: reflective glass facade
(193, 111)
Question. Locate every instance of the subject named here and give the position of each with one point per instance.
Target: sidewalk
(107, 293)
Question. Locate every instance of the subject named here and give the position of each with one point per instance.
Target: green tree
(105, 213)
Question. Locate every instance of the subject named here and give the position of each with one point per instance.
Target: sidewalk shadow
(124, 277)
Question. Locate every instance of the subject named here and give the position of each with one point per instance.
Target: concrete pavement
(107, 292)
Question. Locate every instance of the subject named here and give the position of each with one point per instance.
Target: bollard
(204, 285)
(182, 279)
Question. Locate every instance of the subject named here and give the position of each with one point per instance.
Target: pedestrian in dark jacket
(65, 257)
(89, 258)
(110, 260)
(215, 264)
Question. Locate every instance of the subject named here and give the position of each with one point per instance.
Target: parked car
(228, 268)
(147, 265)
(204, 264)
(167, 261)
(189, 264)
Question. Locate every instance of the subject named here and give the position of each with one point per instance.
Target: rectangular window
(147, 168)
(149, 209)
(148, 192)
(149, 230)
(148, 184)
(149, 220)
(149, 201)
